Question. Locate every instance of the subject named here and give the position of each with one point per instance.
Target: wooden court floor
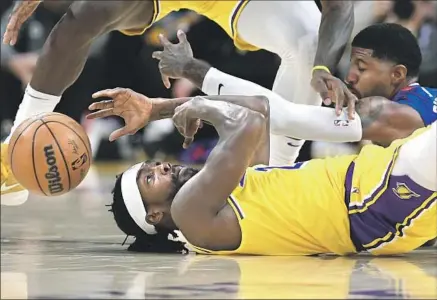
(69, 248)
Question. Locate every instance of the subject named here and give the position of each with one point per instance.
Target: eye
(149, 178)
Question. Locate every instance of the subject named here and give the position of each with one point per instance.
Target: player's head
(384, 58)
(142, 198)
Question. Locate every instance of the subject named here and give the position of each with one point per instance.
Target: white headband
(133, 200)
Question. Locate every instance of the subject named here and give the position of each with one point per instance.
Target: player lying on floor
(384, 68)
(382, 200)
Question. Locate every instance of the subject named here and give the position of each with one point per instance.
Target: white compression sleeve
(286, 118)
(418, 160)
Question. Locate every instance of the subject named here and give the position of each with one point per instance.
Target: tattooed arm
(384, 121)
(138, 110)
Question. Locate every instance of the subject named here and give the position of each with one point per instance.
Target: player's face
(159, 182)
(370, 76)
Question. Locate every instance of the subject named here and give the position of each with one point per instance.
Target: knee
(86, 20)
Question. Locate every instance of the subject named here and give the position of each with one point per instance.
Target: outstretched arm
(137, 110)
(299, 121)
(197, 208)
(378, 119)
(286, 118)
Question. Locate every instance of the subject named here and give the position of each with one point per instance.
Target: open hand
(21, 12)
(174, 57)
(134, 108)
(332, 89)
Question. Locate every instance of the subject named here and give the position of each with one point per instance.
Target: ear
(399, 74)
(154, 217)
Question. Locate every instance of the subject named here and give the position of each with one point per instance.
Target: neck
(166, 225)
(403, 85)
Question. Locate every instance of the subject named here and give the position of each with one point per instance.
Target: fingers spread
(100, 114)
(322, 89)
(352, 100)
(109, 93)
(119, 133)
(166, 81)
(10, 36)
(164, 41)
(187, 142)
(182, 36)
(101, 105)
(157, 55)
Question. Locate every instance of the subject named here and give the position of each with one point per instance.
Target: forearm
(334, 32)
(223, 115)
(316, 123)
(286, 118)
(196, 71)
(289, 119)
(164, 108)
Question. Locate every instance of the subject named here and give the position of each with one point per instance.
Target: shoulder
(422, 99)
(416, 92)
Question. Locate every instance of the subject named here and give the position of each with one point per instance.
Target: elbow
(255, 124)
(261, 105)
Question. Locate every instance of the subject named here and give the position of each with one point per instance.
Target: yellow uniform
(336, 205)
(225, 13)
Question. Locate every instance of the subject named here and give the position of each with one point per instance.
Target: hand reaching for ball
(134, 108)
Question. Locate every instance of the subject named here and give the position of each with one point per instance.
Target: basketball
(49, 154)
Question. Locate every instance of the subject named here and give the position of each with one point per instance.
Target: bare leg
(66, 50)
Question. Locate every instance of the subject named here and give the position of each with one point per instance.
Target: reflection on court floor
(68, 247)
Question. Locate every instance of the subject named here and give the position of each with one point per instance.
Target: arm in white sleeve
(286, 118)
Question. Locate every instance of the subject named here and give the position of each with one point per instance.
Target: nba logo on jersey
(404, 192)
(341, 123)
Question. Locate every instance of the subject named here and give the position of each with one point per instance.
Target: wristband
(320, 68)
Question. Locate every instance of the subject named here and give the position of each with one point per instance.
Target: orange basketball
(49, 154)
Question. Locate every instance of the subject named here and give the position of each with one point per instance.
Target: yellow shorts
(225, 13)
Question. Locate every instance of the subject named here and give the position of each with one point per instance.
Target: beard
(180, 176)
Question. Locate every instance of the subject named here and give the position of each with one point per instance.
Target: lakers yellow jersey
(293, 210)
(337, 205)
(388, 214)
(225, 13)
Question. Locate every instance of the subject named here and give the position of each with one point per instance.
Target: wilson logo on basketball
(53, 177)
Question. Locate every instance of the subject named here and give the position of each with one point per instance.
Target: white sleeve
(286, 118)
